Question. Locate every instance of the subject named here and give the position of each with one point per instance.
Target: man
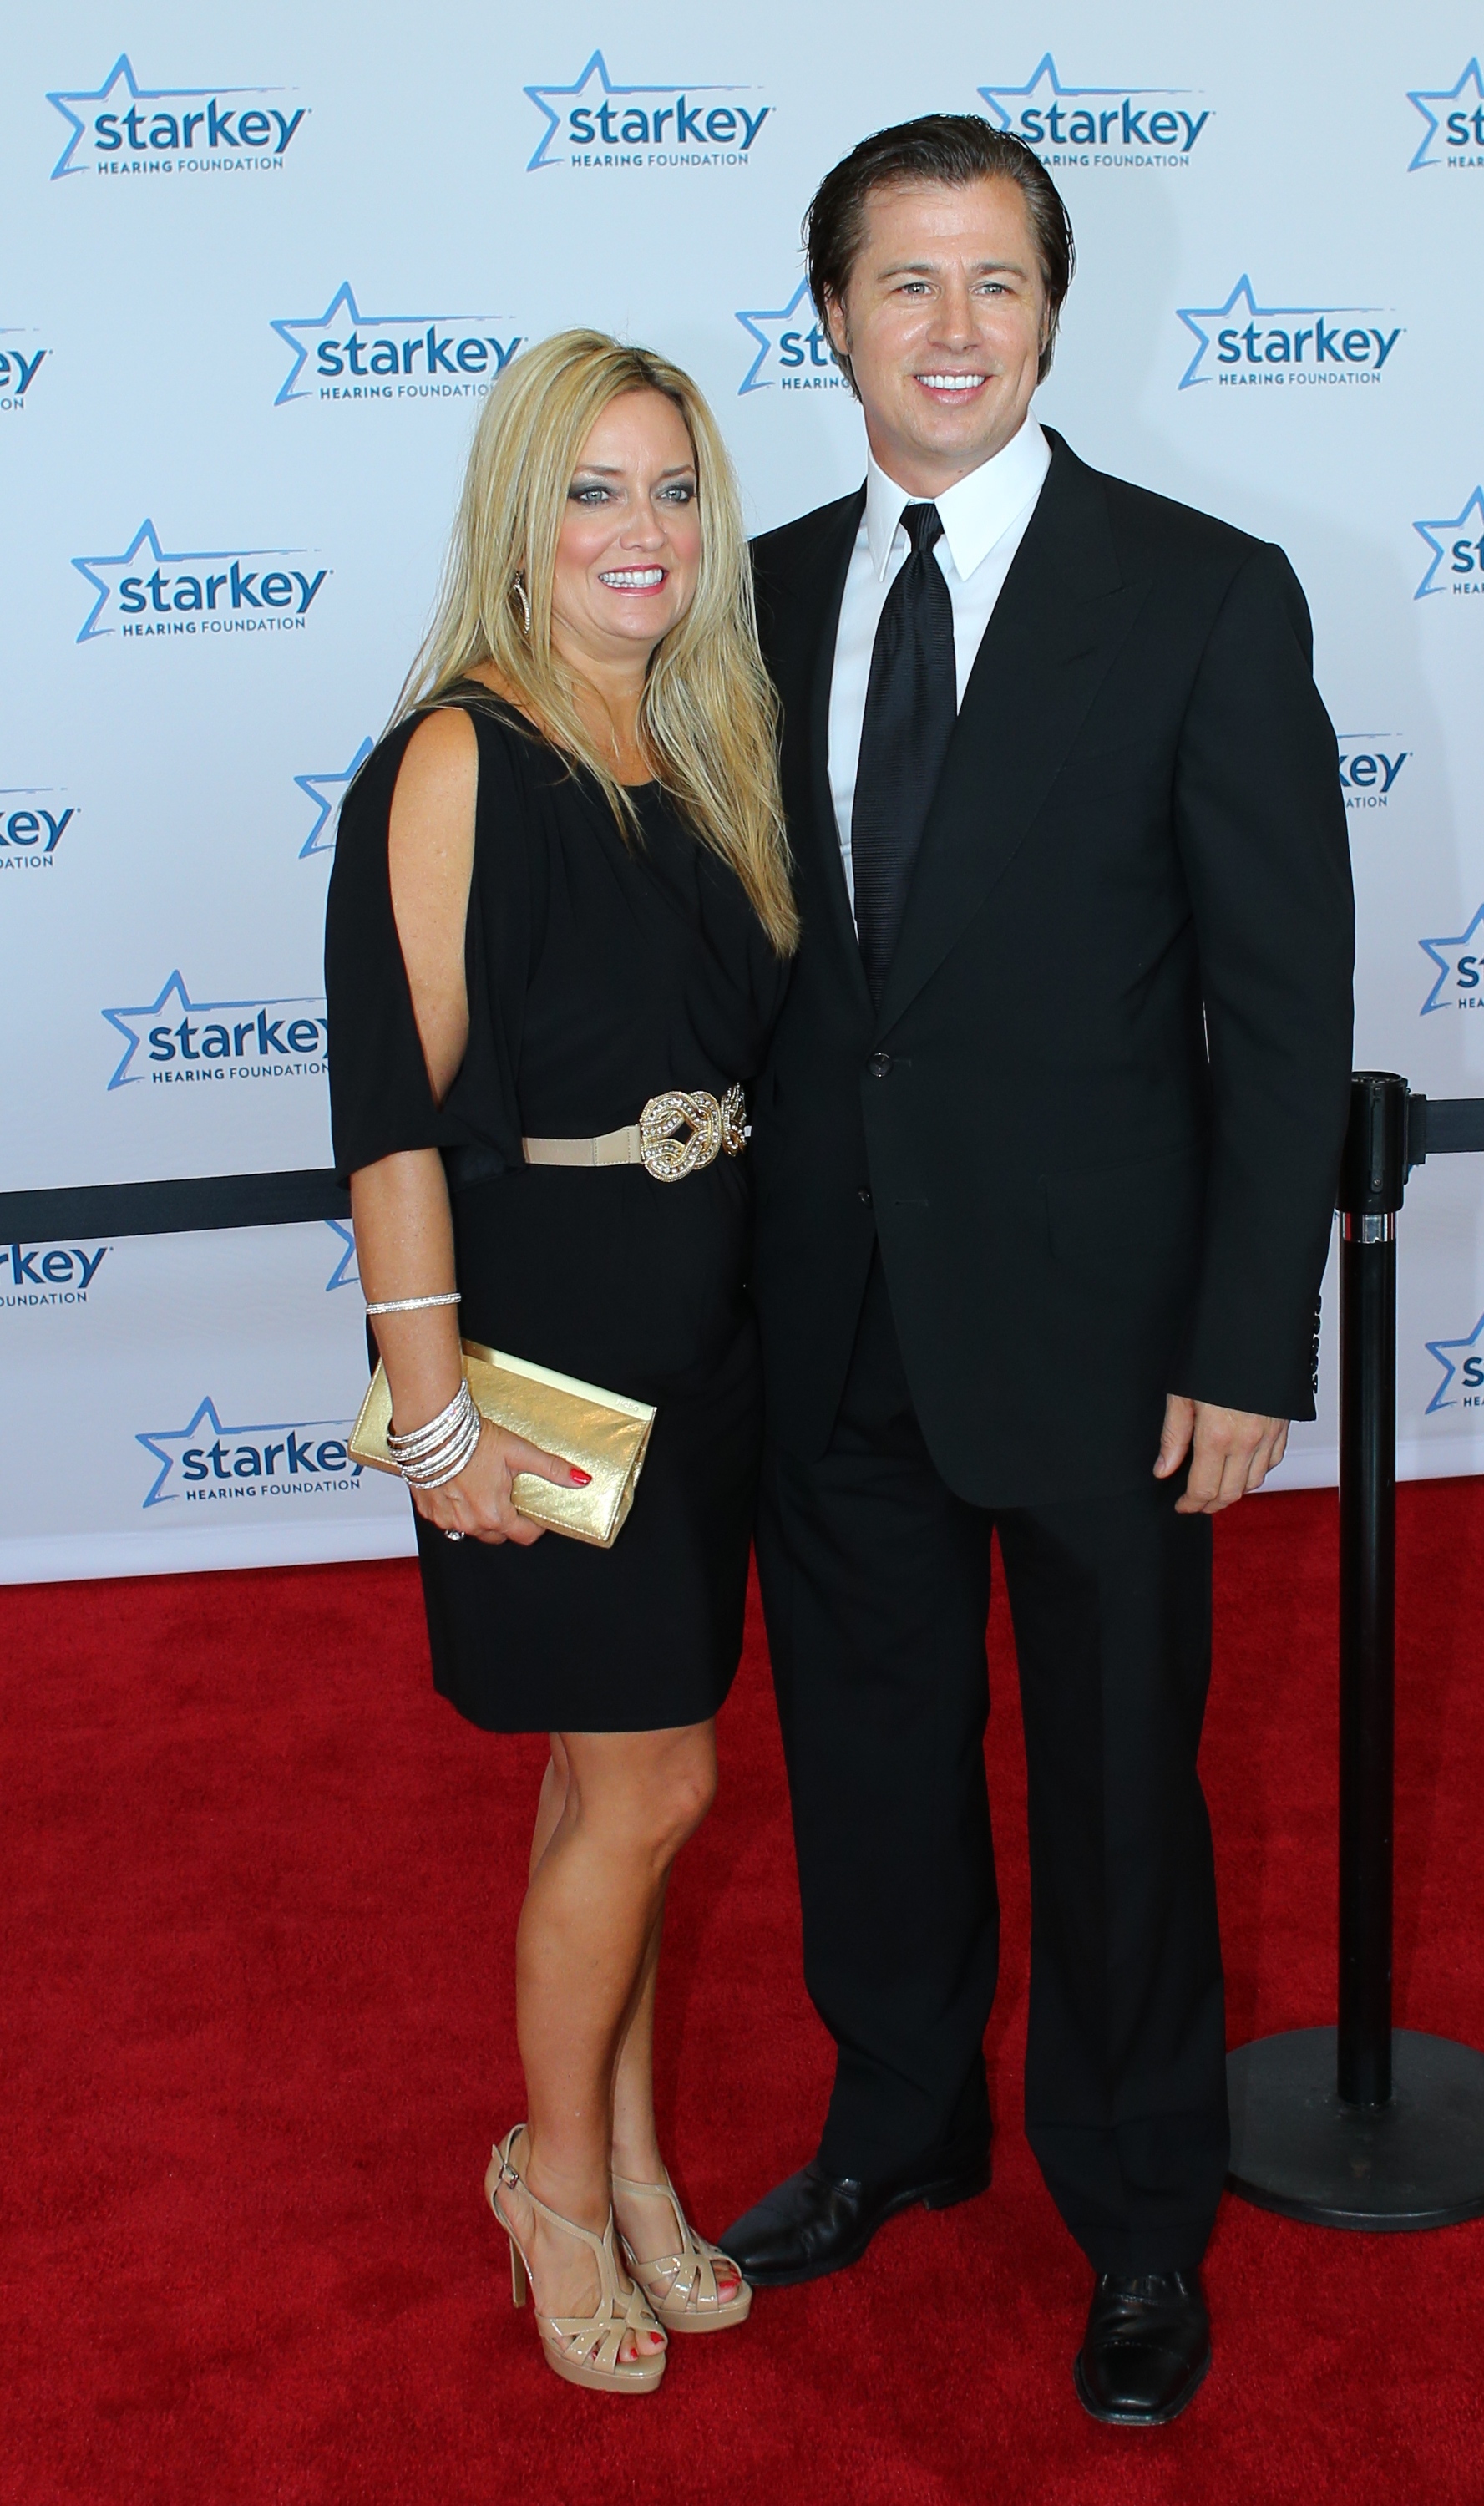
(1045, 1157)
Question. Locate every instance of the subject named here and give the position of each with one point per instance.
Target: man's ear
(837, 325)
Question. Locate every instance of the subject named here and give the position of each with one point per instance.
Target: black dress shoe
(1146, 2348)
(815, 2222)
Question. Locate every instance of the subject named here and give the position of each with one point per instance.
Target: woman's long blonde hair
(709, 718)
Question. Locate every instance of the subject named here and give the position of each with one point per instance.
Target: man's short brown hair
(955, 148)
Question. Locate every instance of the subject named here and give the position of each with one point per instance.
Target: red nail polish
(579, 1479)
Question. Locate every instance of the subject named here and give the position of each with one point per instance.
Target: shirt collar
(975, 514)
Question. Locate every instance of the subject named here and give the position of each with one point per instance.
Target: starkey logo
(790, 349)
(1114, 127)
(175, 1041)
(20, 367)
(1455, 123)
(121, 127)
(34, 818)
(209, 1462)
(1463, 1363)
(1246, 344)
(345, 356)
(1369, 770)
(326, 791)
(598, 123)
(47, 1274)
(1456, 541)
(146, 591)
(1459, 958)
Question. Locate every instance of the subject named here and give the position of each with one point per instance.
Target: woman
(561, 889)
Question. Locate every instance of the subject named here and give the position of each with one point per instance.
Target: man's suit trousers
(875, 1585)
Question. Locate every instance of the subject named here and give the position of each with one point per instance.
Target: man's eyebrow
(929, 269)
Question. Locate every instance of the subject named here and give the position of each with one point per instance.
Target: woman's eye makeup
(596, 492)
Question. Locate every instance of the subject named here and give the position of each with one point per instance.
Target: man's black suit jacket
(1096, 1120)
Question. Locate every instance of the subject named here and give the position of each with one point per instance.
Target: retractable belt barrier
(189, 1207)
(1357, 2126)
(1364, 2124)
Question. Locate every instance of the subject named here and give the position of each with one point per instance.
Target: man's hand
(1234, 1451)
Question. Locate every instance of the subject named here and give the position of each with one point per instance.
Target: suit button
(879, 1065)
(864, 1197)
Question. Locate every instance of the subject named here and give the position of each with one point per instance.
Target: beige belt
(711, 1125)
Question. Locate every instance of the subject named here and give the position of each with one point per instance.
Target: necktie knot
(924, 526)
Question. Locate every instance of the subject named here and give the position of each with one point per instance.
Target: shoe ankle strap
(510, 2174)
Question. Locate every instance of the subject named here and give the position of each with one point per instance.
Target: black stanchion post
(1372, 1182)
(1363, 2125)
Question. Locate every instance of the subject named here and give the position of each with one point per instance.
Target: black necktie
(911, 703)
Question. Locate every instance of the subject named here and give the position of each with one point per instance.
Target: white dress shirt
(985, 520)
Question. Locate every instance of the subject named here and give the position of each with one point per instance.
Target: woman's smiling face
(628, 555)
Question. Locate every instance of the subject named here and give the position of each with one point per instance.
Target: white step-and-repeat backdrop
(262, 265)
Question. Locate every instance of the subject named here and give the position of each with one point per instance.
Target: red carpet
(259, 1891)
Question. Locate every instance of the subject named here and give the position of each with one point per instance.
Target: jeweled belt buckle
(712, 1125)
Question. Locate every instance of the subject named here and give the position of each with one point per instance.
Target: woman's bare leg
(648, 2223)
(549, 1802)
(615, 1818)
(635, 2143)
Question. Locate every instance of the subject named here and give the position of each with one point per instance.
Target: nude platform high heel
(585, 2348)
(682, 2287)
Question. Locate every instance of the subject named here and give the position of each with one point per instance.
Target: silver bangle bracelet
(414, 1304)
(444, 1466)
(428, 1457)
(422, 1439)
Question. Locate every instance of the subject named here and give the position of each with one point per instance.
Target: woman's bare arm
(400, 1210)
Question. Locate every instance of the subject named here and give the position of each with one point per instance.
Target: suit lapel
(804, 686)
(1056, 628)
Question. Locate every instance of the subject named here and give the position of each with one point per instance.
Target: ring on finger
(451, 1535)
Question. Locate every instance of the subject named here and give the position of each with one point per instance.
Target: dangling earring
(519, 590)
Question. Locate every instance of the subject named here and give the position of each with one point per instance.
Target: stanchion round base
(1415, 2163)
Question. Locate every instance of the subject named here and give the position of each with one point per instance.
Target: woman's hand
(479, 1502)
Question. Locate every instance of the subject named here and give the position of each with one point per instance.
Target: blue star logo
(596, 68)
(346, 1272)
(798, 302)
(147, 538)
(64, 98)
(1045, 72)
(174, 988)
(328, 801)
(1445, 963)
(1196, 316)
(205, 1418)
(343, 301)
(1450, 1365)
(1425, 97)
(1448, 522)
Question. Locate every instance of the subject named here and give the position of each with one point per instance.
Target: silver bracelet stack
(429, 1456)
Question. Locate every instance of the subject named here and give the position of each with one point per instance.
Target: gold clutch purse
(601, 1432)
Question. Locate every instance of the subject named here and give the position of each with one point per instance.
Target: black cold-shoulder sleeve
(380, 1096)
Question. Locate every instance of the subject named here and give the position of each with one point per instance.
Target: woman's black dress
(599, 974)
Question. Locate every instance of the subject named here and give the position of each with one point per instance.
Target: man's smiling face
(943, 320)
